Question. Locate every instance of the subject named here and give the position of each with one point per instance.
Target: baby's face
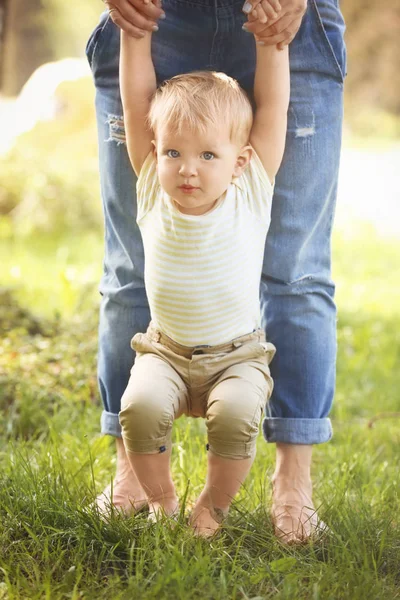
(196, 169)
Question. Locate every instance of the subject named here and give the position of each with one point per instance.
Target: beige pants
(228, 385)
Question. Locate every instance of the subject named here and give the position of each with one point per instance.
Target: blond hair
(200, 100)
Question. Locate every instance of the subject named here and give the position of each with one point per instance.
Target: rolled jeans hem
(297, 431)
(110, 424)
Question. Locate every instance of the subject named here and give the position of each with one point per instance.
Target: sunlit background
(51, 226)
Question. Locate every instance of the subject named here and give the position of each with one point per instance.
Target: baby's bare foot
(293, 514)
(206, 521)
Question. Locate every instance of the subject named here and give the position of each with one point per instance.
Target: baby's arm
(138, 83)
(271, 93)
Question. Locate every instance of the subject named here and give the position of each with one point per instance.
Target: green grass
(53, 277)
(53, 460)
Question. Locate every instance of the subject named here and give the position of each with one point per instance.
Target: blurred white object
(369, 190)
(37, 100)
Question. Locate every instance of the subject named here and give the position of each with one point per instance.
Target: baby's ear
(242, 160)
(154, 148)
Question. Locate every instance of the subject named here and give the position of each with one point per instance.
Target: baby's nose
(187, 169)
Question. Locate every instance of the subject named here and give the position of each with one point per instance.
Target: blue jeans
(296, 291)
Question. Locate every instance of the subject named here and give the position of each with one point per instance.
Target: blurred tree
(26, 43)
(3, 8)
(38, 31)
(70, 23)
(373, 44)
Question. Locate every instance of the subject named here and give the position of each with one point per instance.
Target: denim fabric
(297, 292)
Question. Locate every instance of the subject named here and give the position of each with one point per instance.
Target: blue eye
(172, 153)
(208, 155)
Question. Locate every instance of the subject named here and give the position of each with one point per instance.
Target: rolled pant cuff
(297, 431)
(233, 451)
(110, 424)
(157, 446)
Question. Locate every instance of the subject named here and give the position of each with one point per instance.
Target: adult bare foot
(293, 514)
(127, 495)
(166, 506)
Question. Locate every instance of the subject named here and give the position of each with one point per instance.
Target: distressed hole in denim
(305, 131)
(303, 122)
(116, 129)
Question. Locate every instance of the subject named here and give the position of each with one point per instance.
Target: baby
(205, 167)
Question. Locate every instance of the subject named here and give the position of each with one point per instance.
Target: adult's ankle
(123, 466)
(168, 496)
(293, 461)
(168, 505)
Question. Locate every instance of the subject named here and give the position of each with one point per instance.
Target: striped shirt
(202, 272)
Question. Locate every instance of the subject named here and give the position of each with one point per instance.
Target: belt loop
(237, 344)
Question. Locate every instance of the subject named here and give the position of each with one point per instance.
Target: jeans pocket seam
(98, 38)
(328, 48)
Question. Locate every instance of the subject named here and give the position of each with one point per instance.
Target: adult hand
(135, 16)
(264, 10)
(281, 30)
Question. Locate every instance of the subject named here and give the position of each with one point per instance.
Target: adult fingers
(269, 10)
(136, 13)
(256, 27)
(280, 39)
(270, 29)
(278, 26)
(289, 39)
(152, 10)
(275, 5)
(250, 6)
(155, 2)
(261, 16)
(131, 20)
(122, 23)
(252, 16)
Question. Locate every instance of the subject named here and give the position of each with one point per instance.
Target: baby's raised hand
(263, 11)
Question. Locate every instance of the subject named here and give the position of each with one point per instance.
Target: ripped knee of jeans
(305, 131)
(116, 129)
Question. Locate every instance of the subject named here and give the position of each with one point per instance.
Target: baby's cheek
(163, 174)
